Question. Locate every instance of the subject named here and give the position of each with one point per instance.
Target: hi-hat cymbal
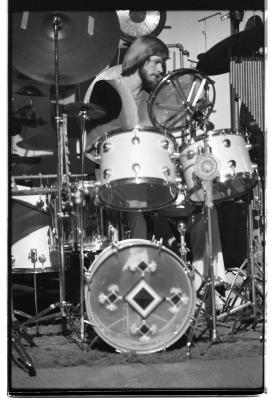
(92, 111)
(87, 41)
(217, 60)
(30, 90)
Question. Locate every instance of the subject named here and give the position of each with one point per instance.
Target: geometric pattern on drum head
(176, 298)
(141, 266)
(111, 298)
(143, 298)
(143, 330)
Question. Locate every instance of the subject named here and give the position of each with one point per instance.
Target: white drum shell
(226, 146)
(139, 156)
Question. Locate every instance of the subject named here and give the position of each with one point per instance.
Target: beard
(149, 82)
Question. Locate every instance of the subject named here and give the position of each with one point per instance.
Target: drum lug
(190, 154)
(136, 168)
(178, 179)
(157, 242)
(166, 172)
(227, 142)
(115, 247)
(107, 173)
(87, 278)
(175, 155)
(165, 144)
(135, 140)
(97, 158)
(232, 165)
(106, 147)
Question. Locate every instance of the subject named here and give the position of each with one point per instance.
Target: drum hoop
(147, 129)
(36, 270)
(97, 264)
(129, 243)
(213, 133)
(117, 182)
(252, 175)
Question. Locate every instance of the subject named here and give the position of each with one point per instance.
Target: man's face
(152, 72)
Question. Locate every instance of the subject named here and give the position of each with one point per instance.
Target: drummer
(123, 91)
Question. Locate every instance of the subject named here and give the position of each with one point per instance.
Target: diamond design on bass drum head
(143, 298)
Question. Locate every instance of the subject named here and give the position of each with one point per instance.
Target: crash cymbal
(217, 60)
(31, 91)
(87, 41)
(93, 111)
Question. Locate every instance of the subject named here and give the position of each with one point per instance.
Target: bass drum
(139, 296)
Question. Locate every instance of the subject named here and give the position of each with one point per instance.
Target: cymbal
(217, 60)
(30, 90)
(30, 122)
(38, 142)
(16, 159)
(93, 111)
(87, 41)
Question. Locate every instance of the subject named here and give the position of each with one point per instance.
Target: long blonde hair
(141, 49)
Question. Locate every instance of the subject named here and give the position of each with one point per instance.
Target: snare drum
(100, 226)
(138, 170)
(30, 236)
(139, 296)
(237, 174)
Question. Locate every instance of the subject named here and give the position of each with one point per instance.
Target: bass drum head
(139, 297)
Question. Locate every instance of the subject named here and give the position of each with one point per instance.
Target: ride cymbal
(217, 60)
(87, 41)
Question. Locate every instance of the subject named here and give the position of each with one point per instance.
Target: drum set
(137, 294)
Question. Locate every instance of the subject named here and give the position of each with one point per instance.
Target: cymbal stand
(61, 178)
(57, 25)
(83, 117)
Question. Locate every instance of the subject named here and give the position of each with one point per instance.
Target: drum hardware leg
(24, 360)
(34, 259)
(249, 268)
(18, 333)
